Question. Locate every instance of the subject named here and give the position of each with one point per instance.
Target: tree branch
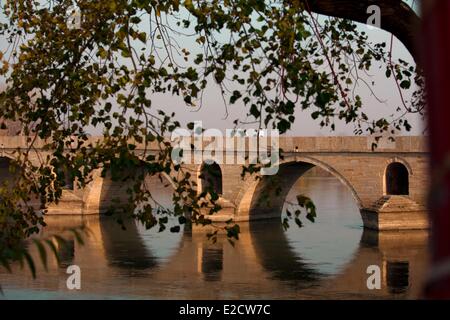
(396, 17)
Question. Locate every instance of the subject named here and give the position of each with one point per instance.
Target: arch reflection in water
(403, 256)
(66, 253)
(397, 276)
(333, 238)
(212, 263)
(278, 257)
(125, 248)
(318, 250)
(135, 247)
(327, 259)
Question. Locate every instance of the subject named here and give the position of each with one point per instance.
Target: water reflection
(331, 242)
(212, 263)
(66, 253)
(125, 248)
(278, 257)
(403, 256)
(327, 259)
(397, 276)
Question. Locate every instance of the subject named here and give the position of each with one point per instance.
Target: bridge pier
(395, 212)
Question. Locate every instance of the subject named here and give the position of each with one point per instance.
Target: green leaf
(142, 37)
(219, 75)
(388, 73)
(254, 111)
(298, 222)
(405, 84)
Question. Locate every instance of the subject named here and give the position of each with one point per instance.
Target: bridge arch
(402, 177)
(260, 199)
(5, 161)
(104, 193)
(396, 179)
(402, 161)
(6, 176)
(336, 174)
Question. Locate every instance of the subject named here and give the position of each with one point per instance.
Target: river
(327, 259)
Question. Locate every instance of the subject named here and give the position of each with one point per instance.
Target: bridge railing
(401, 144)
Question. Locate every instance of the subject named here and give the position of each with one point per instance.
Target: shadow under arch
(129, 248)
(125, 248)
(277, 257)
(396, 179)
(267, 196)
(110, 190)
(210, 177)
(7, 176)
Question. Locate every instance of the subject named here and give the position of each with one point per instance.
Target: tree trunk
(436, 50)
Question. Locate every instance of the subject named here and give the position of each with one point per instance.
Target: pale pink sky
(213, 114)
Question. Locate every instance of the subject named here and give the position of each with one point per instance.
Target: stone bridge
(389, 183)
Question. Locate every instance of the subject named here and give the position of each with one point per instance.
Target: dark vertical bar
(436, 62)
